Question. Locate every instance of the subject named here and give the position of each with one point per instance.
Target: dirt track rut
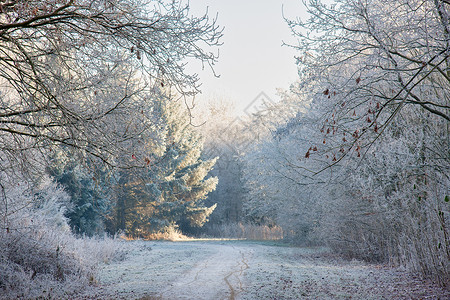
(220, 276)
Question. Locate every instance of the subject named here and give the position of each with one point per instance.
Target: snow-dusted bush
(39, 256)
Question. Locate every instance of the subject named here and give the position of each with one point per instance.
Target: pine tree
(172, 190)
(88, 202)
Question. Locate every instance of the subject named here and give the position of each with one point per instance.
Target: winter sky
(252, 59)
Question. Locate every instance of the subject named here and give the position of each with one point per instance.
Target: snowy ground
(250, 270)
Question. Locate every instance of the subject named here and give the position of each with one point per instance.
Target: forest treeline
(363, 166)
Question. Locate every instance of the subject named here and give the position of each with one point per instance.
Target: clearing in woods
(218, 269)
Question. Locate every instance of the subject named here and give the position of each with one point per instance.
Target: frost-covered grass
(170, 233)
(94, 268)
(280, 272)
(149, 268)
(237, 269)
(41, 262)
(243, 231)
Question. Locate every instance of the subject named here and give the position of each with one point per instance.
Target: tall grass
(39, 257)
(243, 231)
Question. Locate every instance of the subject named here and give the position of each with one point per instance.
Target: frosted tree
(220, 133)
(230, 137)
(365, 165)
(89, 200)
(391, 206)
(56, 56)
(371, 59)
(78, 74)
(172, 190)
(278, 177)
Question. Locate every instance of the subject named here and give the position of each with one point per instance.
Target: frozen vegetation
(351, 169)
(227, 269)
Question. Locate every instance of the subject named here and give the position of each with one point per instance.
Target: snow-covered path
(217, 277)
(250, 270)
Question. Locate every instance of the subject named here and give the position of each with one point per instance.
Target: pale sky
(252, 59)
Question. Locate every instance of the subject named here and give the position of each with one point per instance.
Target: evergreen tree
(88, 203)
(172, 190)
